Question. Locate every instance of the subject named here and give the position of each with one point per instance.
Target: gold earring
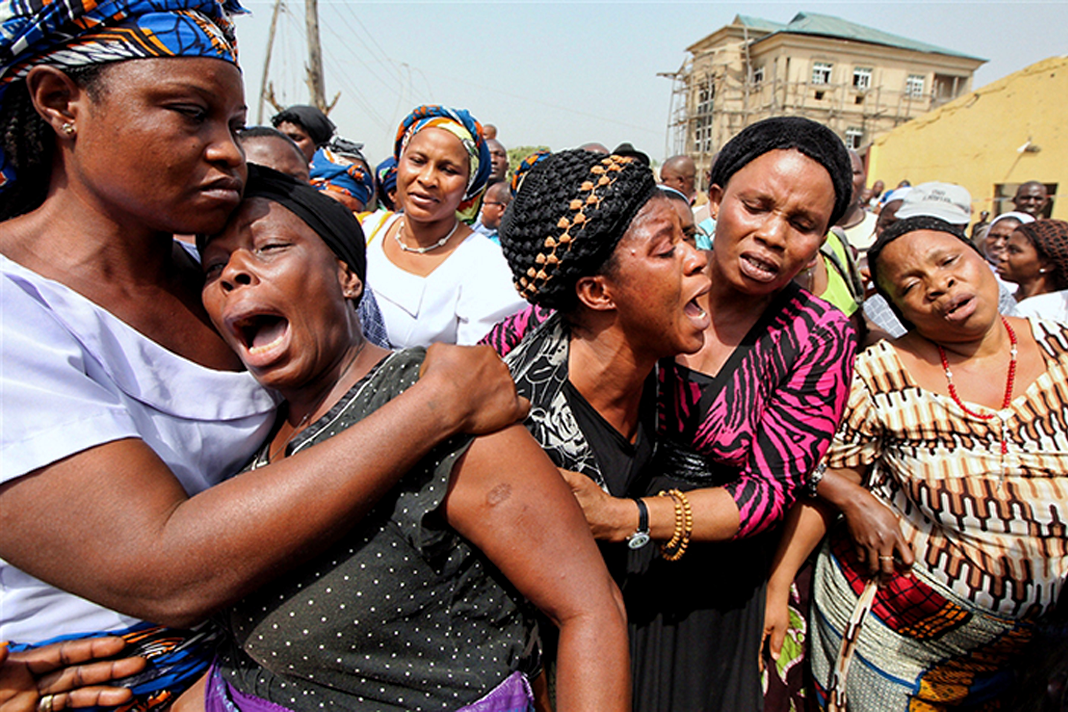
(68, 128)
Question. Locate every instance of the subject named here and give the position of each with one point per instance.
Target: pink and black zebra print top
(762, 423)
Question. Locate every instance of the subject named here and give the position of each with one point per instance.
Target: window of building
(704, 100)
(862, 78)
(758, 75)
(854, 137)
(947, 87)
(914, 85)
(819, 96)
(821, 72)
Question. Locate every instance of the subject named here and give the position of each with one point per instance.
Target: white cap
(945, 201)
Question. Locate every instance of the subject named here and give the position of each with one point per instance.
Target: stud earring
(68, 128)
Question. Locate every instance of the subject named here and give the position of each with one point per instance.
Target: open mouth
(696, 313)
(260, 334)
(759, 269)
(694, 310)
(960, 308)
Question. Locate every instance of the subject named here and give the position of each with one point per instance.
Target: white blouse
(457, 303)
(73, 376)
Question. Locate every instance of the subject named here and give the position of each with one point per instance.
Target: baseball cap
(946, 201)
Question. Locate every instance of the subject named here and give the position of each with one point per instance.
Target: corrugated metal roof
(812, 23)
(758, 23)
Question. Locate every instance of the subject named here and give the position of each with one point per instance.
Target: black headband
(790, 132)
(332, 222)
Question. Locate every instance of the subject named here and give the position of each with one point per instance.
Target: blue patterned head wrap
(386, 180)
(75, 33)
(524, 167)
(330, 173)
(464, 127)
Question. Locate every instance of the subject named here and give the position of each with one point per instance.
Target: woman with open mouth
(123, 411)
(958, 428)
(746, 410)
(602, 255)
(423, 605)
(743, 422)
(435, 280)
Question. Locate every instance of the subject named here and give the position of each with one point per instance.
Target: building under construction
(857, 80)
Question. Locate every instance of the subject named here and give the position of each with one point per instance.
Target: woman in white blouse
(435, 279)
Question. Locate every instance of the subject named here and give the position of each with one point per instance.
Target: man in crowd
(307, 126)
(498, 160)
(680, 173)
(858, 223)
(1031, 198)
(496, 200)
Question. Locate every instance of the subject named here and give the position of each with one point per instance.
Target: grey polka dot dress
(401, 614)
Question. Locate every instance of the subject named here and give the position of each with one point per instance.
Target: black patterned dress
(756, 428)
(401, 614)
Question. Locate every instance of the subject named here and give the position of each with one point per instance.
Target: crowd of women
(219, 493)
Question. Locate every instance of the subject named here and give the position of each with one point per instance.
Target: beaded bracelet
(680, 521)
(680, 540)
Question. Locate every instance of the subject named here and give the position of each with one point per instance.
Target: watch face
(637, 540)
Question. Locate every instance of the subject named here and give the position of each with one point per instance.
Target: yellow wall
(973, 140)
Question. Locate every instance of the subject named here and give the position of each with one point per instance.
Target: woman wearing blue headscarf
(435, 280)
(121, 406)
(343, 179)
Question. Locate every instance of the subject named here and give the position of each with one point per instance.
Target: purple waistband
(221, 696)
(512, 695)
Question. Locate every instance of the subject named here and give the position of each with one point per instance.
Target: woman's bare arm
(874, 527)
(112, 524)
(804, 527)
(508, 500)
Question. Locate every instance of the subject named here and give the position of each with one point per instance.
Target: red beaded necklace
(1010, 381)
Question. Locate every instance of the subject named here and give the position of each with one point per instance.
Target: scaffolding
(718, 91)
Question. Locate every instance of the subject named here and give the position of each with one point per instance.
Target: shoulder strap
(848, 270)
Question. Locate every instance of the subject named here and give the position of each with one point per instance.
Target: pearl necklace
(1009, 382)
(424, 250)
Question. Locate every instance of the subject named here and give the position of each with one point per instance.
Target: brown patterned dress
(990, 533)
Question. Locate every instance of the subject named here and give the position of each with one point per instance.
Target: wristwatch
(640, 537)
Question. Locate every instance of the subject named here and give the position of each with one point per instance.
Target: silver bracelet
(814, 479)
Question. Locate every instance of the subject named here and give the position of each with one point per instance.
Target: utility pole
(315, 56)
(267, 62)
(313, 69)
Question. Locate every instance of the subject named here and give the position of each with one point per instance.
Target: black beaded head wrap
(900, 229)
(566, 220)
(790, 132)
(319, 128)
(332, 222)
(1050, 238)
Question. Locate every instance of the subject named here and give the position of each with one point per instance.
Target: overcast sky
(564, 73)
